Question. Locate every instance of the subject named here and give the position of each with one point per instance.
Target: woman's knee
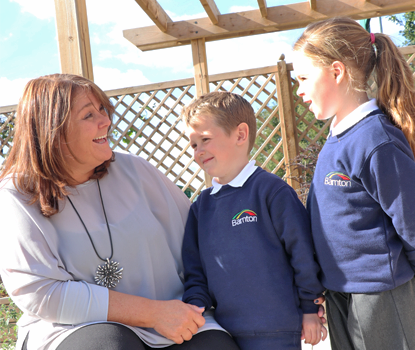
(102, 336)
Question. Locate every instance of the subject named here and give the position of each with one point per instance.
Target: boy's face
(216, 152)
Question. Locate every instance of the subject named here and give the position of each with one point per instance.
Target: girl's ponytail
(396, 89)
(343, 39)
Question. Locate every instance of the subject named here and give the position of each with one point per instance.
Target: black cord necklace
(108, 274)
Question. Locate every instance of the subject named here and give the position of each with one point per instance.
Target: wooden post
(288, 123)
(73, 38)
(201, 77)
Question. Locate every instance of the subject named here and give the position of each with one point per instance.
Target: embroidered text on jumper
(250, 216)
(337, 179)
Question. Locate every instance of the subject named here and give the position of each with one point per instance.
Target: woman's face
(86, 144)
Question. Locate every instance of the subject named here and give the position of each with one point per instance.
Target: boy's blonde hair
(343, 39)
(227, 110)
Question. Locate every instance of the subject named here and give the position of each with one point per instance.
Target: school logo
(337, 179)
(244, 216)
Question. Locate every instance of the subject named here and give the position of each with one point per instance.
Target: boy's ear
(242, 133)
(339, 70)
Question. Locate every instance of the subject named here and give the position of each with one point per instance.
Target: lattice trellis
(147, 123)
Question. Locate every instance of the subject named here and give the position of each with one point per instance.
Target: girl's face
(318, 86)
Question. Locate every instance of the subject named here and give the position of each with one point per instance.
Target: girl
(362, 200)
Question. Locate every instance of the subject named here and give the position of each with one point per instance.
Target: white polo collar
(239, 180)
(354, 117)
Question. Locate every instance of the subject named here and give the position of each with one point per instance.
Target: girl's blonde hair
(36, 161)
(343, 39)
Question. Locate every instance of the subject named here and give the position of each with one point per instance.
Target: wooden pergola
(75, 51)
(74, 44)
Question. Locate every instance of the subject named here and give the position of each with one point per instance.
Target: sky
(29, 47)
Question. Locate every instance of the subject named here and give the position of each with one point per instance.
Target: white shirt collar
(354, 117)
(239, 180)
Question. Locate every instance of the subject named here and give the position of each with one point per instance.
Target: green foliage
(188, 192)
(132, 131)
(9, 314)
(407, 21)
(6, 132)
(304, 165)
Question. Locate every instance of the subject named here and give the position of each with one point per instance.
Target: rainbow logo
(247, 211)
(340, 175)
(250, 216)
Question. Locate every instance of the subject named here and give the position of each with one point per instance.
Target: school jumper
(362, 207)
(248, 253)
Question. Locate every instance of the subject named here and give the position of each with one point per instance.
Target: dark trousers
(112, 336)
(375, 321)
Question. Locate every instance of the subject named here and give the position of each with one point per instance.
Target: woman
(91, 240)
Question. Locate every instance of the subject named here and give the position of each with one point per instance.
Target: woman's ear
(242, 133)
(339, 70)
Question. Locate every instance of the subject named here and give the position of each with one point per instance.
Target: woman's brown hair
(36, 161)
(343, 39)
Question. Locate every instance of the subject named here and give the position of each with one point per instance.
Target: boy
(247, 249)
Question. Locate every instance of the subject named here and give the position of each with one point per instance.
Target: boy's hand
(313, 330)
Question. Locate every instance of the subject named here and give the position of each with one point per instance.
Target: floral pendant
(108, 274)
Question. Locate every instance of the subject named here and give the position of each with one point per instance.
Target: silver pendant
(108, 274)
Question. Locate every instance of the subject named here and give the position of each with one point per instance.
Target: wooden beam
(201, 75)
(288, 123)
(279, 18)
(73, 38)
(211, 10)
(263, 8)
(313, 5)
(156, 13)
(200, 67)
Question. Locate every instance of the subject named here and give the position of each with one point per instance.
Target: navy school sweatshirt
(362, 207)
(248, 252)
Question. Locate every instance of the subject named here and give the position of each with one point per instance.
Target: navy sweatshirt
(248, 252)
(362, 207)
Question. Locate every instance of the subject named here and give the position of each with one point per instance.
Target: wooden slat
(407, 50)
(200, 69)
(288, 128)
(188, 81)
(73, 38)
(263, 8)
(156, 13)
(8, 109)
(313, 5)
(211, 10)
(246, 23)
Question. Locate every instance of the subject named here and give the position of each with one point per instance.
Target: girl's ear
(242, 133)
(339, 70)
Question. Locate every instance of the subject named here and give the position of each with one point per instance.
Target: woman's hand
(173, 319)
(178, 321)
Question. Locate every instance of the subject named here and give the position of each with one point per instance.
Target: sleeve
(195, 287)
(33, 275)
(388, 176)
(292, 225)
